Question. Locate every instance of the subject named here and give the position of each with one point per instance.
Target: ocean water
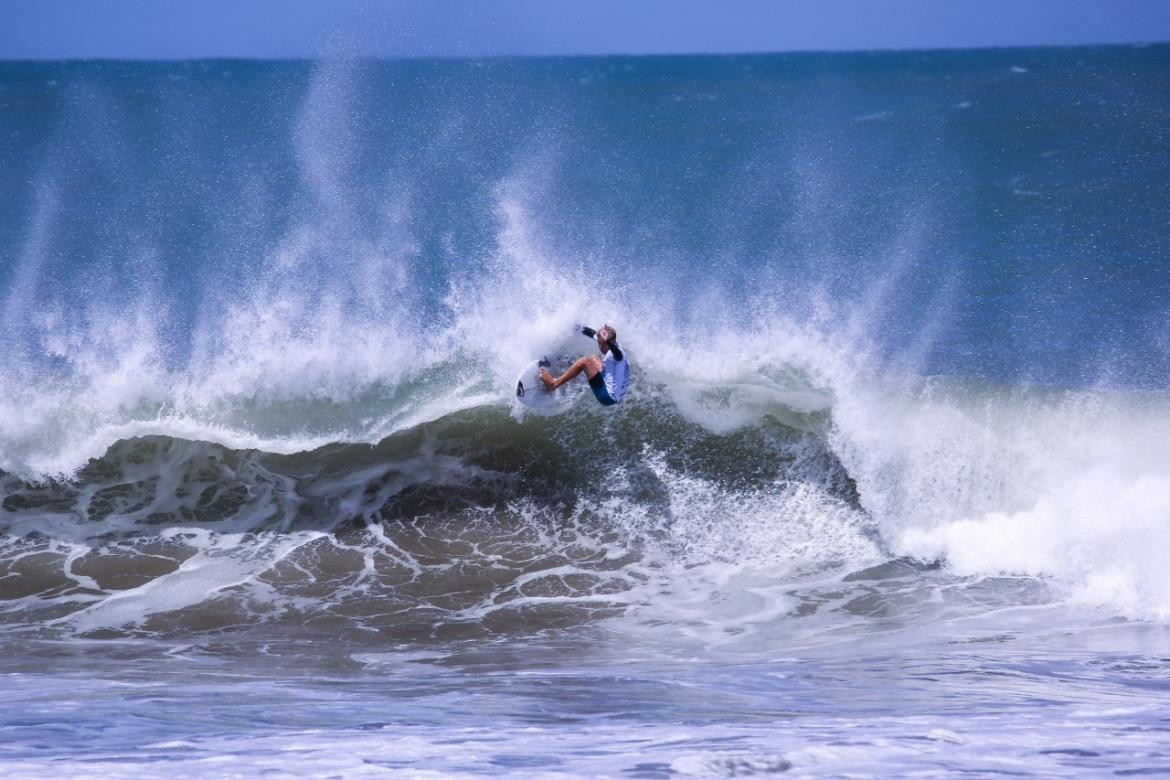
(890, 494)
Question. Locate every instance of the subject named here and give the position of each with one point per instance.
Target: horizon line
(589, 55)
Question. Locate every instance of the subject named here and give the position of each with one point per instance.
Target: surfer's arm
(588, 331)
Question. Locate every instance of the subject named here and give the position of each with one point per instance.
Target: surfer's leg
(590, 364)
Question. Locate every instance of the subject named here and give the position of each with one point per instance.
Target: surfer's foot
(545, 377)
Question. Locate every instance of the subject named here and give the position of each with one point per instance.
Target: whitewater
(890, 493)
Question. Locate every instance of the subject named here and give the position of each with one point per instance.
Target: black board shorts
(597, 382)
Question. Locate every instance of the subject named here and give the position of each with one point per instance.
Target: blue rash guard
(610, 386)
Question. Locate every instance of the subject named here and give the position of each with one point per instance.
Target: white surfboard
(531, 392)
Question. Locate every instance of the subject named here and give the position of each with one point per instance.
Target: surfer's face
(601, 343)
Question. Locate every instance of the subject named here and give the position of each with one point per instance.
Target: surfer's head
(606, 335)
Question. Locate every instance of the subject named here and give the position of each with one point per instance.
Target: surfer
(609, 375)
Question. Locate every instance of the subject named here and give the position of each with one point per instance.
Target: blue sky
(178, 29)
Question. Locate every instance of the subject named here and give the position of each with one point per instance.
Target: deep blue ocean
(890, 493)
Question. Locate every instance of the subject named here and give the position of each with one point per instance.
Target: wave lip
(991, 482)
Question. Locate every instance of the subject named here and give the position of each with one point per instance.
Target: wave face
(898, 326)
